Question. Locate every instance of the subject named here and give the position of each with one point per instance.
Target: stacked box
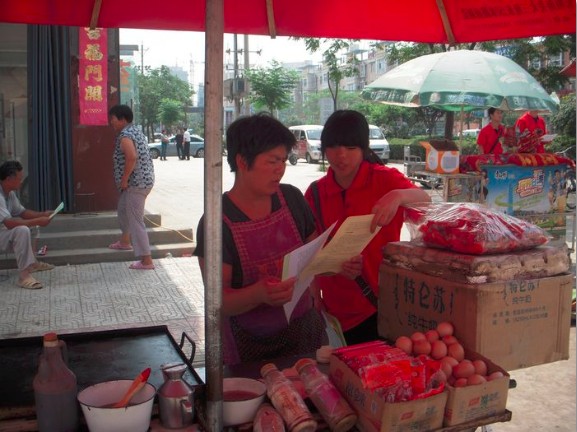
(475, 402)
(376, 415)
(516, 323)
(441, 156)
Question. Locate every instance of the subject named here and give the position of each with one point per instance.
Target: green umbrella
(461, 80)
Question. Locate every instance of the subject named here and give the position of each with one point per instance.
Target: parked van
(378, 143)
(308, 142)
(471, 132)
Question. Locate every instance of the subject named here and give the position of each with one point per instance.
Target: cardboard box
(466, 404)
(516, 323)
(375, 415)
(442, 156)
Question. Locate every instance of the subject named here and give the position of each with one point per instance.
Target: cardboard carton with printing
(376, 415)
(515, 323)
(441, 156)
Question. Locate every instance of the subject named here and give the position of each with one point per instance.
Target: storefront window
(13, 93)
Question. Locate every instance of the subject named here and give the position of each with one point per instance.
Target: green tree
(154, 86)
(564, 120)
(170, 112)
(271, 87)
(337, 70)
(533, 55)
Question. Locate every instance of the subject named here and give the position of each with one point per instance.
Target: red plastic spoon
(136, 385)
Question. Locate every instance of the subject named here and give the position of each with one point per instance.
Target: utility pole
(141, 58)
(235, 92)
(246, 105)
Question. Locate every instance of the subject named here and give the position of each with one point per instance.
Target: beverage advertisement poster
(536, 194)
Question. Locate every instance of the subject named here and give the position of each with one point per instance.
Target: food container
(242, 397)
(133, 418)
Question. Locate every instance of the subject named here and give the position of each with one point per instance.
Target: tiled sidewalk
(105, 296)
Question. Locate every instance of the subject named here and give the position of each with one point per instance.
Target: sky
(179, 48)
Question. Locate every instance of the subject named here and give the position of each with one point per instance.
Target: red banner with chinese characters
(93, 76)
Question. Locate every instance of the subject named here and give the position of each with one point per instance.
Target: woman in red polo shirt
(354, 186)
(490, 139)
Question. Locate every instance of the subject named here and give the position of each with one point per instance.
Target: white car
(378, 143)
(308, 142)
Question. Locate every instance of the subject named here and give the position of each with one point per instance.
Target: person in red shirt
(531, 124)
(354, 186)
(491, 136)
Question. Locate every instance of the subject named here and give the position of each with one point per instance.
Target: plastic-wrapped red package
(471, 228)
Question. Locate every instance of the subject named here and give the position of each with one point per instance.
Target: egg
(418, 336)
(476, 379)
(456, 351)
(404, 343)
(480, 367)
(432, 335)
(447, 364)
(445, 329)
(460, 382)
(449, 340)
(495, 375)
(464, 369)
(422, 346)
(438, 350)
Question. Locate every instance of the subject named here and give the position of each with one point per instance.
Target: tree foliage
(337, 67)
(564, 120)
(271, 87)
(154, 86)
(170, 112)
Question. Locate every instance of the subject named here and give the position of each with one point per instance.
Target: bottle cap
(304, 362)
(267, 368)
(50, 339)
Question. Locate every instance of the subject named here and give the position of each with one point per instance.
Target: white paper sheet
(57, 210)
(293, 264)
(312, 259)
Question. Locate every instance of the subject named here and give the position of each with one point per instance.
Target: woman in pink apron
(262, 221)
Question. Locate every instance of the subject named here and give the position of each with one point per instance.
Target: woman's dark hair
(122, 112)
(253, 135)
(9, 169)
(348, 128)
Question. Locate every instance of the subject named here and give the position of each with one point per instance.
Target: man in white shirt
(17, 222)
(186, 151)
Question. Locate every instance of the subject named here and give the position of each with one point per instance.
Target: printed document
(312, 259)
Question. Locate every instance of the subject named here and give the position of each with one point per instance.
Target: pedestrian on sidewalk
(186, 152)
(134, 177)
(17, 222)
(163, 144)
(179, 139)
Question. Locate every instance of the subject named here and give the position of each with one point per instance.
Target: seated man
(16, 224)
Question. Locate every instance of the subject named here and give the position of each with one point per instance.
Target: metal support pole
(213, 212)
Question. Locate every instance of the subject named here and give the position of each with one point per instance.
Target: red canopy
(442, 21)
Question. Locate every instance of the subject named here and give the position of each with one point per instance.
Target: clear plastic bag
(471, 228)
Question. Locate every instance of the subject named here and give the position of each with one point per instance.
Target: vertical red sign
(93, 76)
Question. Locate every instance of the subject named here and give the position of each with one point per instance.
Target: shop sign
(93, 76)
